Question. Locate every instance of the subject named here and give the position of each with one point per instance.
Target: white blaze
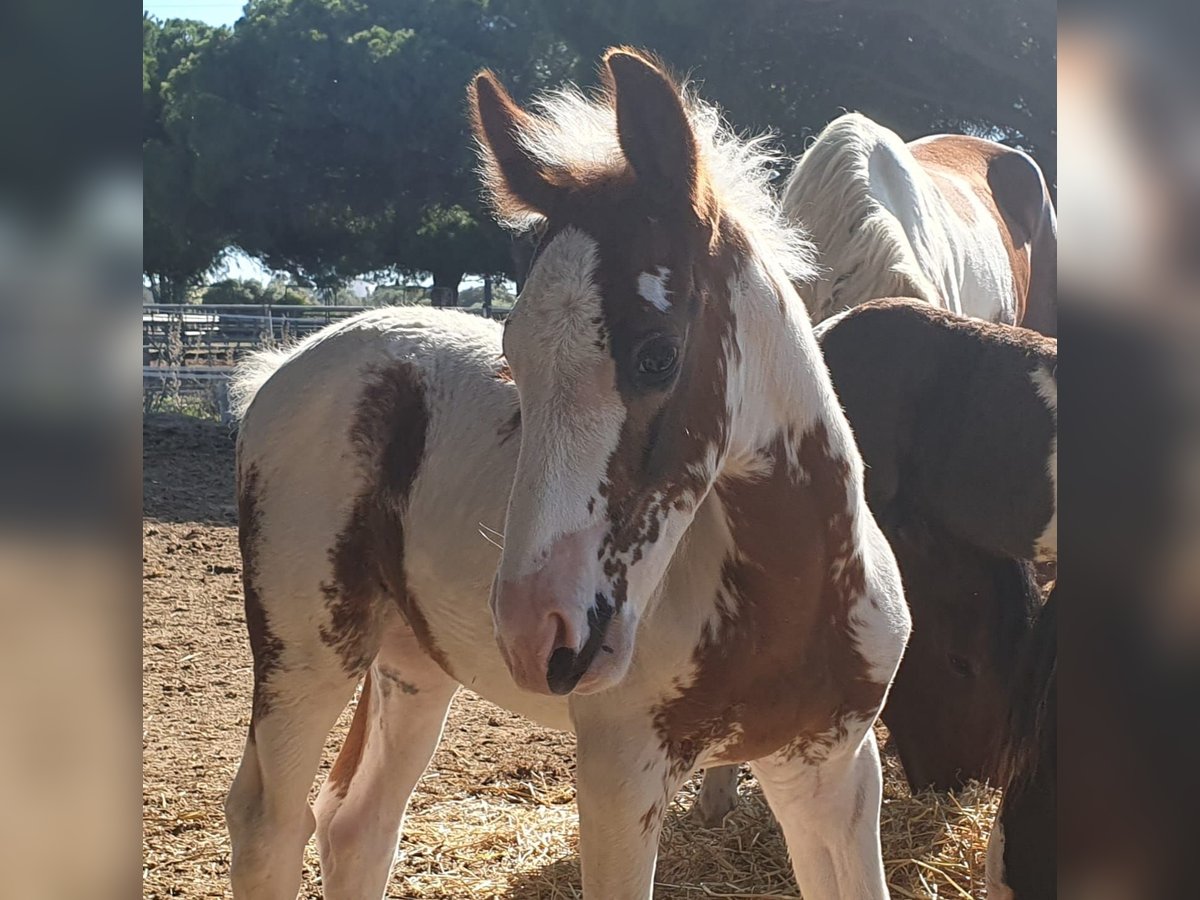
(653, 288)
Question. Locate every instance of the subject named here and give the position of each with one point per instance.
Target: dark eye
(960, 666)
(657, 359)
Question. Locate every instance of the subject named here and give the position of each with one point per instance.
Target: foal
(690, 574)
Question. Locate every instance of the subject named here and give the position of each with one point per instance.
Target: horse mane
(574, 135)
(252, 373)
(1030, 735)
(829, 194)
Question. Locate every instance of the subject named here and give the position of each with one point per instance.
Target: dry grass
(495, 815)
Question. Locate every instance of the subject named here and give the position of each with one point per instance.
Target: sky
(214, 12)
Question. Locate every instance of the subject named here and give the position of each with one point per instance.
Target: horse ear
(520, 186)
(653, 127)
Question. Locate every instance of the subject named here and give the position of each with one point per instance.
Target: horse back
(1010, 185)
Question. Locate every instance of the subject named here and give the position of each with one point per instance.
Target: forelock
(573, 137)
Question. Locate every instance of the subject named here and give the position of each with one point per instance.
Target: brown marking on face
(265, 648)
(389, 438)
(350, 756)
(504, 374)
(1000, 179)
(650, 209)
(660, 463)
(782, 667)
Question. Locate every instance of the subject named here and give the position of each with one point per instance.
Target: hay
(521, 841)
(518, 838)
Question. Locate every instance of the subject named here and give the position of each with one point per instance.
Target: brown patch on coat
(1011, 188)
(265, 648)
(651, 818)
(782, 671)
(388, 434)
(350, 756)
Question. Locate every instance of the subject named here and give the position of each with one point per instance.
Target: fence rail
(189, 352)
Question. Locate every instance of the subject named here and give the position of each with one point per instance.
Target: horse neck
(780, 385)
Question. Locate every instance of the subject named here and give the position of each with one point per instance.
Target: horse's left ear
(653, 128)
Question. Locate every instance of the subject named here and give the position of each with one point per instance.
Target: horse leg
(396, 728)
(829, 813)
(718, 796)
(625, 782)
(267, 807)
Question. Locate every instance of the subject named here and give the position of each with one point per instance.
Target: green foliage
(399, 295)
(181, 237)
(918, 66)
(329, 137)
(247, 291)
(501, 296)
(331, 133)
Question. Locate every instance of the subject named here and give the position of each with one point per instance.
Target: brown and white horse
(956, 420)
(690, 573)
(960, 222)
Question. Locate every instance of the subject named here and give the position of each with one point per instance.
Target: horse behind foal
(960, 222)
(674, 421)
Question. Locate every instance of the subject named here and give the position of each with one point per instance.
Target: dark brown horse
(1022, 857)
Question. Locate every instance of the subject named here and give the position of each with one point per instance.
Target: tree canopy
(329, 137)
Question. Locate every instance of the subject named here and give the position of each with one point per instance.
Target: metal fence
(189, 352)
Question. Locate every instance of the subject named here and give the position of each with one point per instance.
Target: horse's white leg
(267, 807)
(396, 728)
(829, 814)
(718, 796)
(625, 782)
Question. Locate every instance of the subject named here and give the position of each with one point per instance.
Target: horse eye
(960, 666)
(657, 359)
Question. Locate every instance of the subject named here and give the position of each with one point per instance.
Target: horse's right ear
(520, 186)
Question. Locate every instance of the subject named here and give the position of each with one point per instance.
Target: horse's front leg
(829, 813)
(625, 782)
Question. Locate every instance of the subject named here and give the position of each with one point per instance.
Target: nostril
(561, 672)
(562, 636)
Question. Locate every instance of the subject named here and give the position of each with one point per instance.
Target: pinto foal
(690, 573)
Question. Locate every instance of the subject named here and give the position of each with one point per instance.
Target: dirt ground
(494, 815)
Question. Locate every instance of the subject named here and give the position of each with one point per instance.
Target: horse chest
(779, 667)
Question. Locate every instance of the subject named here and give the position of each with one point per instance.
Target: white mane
(252, 373)
(575, 131)
(863, 249)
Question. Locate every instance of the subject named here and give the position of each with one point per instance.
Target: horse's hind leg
(829, 814)
(395, 731)
(314, 627)
(267, 807)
